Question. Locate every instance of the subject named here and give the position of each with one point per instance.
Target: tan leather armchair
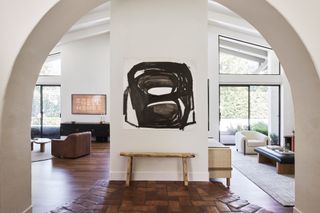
(73, 146)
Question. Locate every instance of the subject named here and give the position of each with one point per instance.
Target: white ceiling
(97, 22)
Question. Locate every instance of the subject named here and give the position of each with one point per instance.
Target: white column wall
(151, 30)
(287, 110)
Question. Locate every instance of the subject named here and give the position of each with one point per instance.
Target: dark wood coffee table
(284, 161)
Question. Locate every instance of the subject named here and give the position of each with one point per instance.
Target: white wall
(151, 29)
(85, 70)
(287, 109)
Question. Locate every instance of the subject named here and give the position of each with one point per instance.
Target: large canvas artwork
(159, 95)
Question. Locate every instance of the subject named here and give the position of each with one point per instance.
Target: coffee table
(41, 141)
(284, 161)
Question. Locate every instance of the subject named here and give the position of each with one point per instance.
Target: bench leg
(228, 182)
(185, 171)
(129, 171)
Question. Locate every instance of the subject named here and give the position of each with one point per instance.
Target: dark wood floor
(60, 181)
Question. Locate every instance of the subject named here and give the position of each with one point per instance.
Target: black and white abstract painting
(158, 95)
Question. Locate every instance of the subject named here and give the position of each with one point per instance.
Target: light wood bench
(182, 155)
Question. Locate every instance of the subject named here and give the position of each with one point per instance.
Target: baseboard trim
(295, 210)
(28, 210)
(159, 176)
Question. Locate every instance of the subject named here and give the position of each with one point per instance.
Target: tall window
(242, 58)
(52, 66)
(249, 107)
(46, 109)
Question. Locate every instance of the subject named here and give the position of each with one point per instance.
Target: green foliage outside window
(260, 127)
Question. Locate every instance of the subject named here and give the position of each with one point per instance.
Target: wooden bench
(183, 156)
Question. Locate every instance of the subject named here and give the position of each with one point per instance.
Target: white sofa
(246, 141)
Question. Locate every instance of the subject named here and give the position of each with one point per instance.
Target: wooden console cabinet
(100, 131)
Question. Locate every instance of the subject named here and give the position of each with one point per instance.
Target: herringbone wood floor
(64, 185)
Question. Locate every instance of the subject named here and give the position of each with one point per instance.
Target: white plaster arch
(15, 172)
(15, 163)
(305, 86)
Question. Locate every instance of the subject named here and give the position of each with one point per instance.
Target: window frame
(51, 57)
(249, 43)
(249, 107)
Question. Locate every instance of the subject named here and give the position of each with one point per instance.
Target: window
(46, 109)
(249, 107)
(242, 58)
(52, 66)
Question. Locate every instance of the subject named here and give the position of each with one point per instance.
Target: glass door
(249, 107)
(265, 111)
(234, 111)
(51, 111)
(46, 109)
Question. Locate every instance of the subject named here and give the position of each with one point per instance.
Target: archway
(15, 115)
(304, 82)
(15, 163)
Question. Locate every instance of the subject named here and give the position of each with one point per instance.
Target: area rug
(36, 155)
(280, 187)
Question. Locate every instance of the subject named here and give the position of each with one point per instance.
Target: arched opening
(303, 79)
(289, 48)
(16, 168)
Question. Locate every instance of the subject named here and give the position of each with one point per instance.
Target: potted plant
(274, 139)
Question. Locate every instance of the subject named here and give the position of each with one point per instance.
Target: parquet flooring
(158, 197)
(82, 184)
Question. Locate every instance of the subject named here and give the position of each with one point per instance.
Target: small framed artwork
(89, 104)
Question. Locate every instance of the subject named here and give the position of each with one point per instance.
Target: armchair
(73, 146)
(247, 141)
(219, 161)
